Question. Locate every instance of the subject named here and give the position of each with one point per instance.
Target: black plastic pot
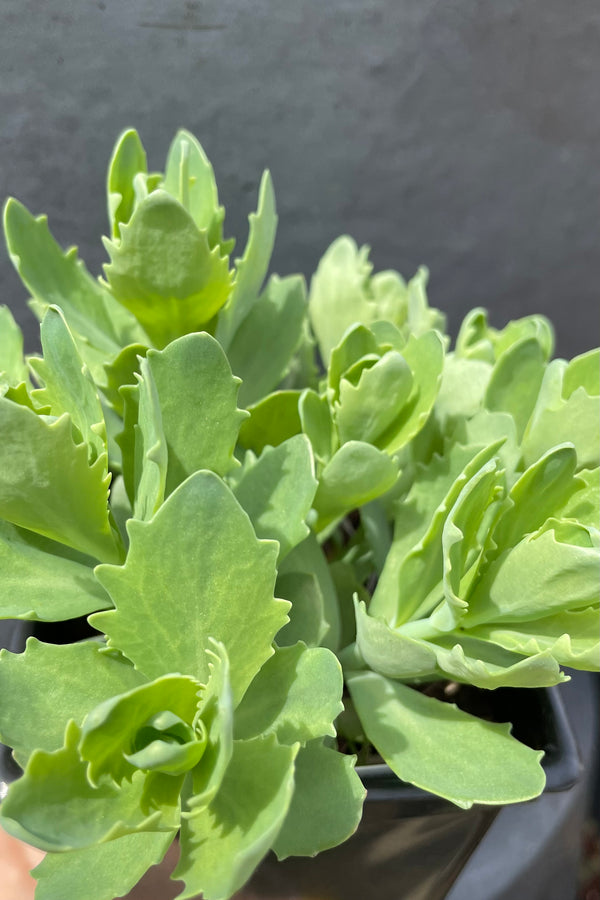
(412, 845)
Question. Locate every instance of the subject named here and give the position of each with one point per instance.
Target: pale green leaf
(583, 371)
(101, 872)
(515, 382)
(55, 277)
(585, 503)
(252, 268)
(164, 271)
(68, 386)
(40, 583)
(197, 395)
(327, 803)
(356, 474)
(127, 160)
(317, 423)
(277, 492)
(221, 848)
(197, 562)
(261, 350)
(189, 177)
(296, 696)
(434, 745)
(272, 421)
(307, 613)
(308, 559)
(80, 675)
(151, 453)
(47, 486)
(462, 389)
(49, 806)
(12, 365)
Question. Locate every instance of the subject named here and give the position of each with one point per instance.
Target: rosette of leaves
(184, 715)
(170, 273)
(486, 583)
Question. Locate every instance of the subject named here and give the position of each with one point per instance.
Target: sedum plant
(257, 495)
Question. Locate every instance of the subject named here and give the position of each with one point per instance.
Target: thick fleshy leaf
(47, 486)
(110, 729)
(68, 387)
(327, 803)
(462, 389)
(54, 807)
(164, 271)
(277, 491)
(252, 268)
(515, 382)
(55, 277)
(40, 583)
(565, 414)
(150, 448)
(317, 423)
(101, 872)
(414, 733)
(366, 410)
(356, 474)
(128, 160)
(307, 614)
(413, 572)
(265, 342)
(272, 421)
(12, 365)
(308, 559)
(197, 398)
(216, 710)
(585, 503)
(393, 652)
(82, 675)
(189, 177)
(572, 637)
(198, 562)
(221, 848)
(425, 357)
(543, 573)
(296, 695)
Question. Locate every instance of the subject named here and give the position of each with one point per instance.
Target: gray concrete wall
(461, 134)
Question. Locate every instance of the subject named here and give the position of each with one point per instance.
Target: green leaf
(339, 295)
(101, 872)
(272, 421)
(197, 399)
(317, 424)
(572, 637)
(150, 453)
(68, 386)
(197, 562)
(216, 711)
(81, 675)
(327, 804)
(462, 389)
(308, 559)
(41, 584)
(307, 614)
(127, 160)
(189, 177)
(515, 382)
(541, 574)
(584, 504)
(164, 272)
(564, 415)
(357, 473)
(368, 409)
(119, 372)
(12, 365)
(57, 278)
(47, 486)
(583, 371)
(392, 652)
(109, 730)
(425, 357)
(49, 806)
(252, 268)
(277, 491)
(221, 848)
(262, 348)
(296, 696)
(434, 744)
